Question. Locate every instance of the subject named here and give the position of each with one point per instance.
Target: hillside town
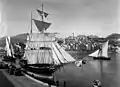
(79, 43)
(85, 43)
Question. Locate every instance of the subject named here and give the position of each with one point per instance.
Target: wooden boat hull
(102, 58)
(40, 79)
(44, 69)
(40, 69)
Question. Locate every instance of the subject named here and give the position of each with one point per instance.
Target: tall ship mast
(43, 55)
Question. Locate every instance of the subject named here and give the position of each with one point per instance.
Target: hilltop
(18, 38)
(113, 36)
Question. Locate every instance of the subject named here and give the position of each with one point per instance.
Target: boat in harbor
(43, 55)
(101, 53)
(118, 49)
(9, 57)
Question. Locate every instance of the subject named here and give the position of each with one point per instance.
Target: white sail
(55, 57)
(58, 54)
(66, 55)
(118, 49)
(38, 56)
(94, 54)
(105, 49)
(34, 54)
(8, 46)
(103, 52)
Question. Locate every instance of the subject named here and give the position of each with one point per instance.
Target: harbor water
(108, 72)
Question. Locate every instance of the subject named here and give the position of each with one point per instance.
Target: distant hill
(113, 36)
(2, 42)
(18, 38)
(22, 38)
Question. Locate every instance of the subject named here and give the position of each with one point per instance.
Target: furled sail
(41, 13)
(41, 25)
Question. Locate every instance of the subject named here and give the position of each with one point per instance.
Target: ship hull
(43, 69)
(102, 58)
(38, 75)
(39, 79)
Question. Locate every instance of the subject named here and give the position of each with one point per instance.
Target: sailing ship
(101, 53)
(43, 55)
(9, 57)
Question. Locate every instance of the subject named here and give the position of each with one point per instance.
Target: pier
(21, 81)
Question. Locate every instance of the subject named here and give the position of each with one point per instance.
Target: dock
(21, 81)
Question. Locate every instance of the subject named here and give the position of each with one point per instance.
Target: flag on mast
(42, 13)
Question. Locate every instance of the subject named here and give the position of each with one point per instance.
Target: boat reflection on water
(106, 71)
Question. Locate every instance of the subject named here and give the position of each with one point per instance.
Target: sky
(86, 17)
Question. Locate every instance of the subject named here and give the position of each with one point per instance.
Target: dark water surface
(106, 71)
(4, 82)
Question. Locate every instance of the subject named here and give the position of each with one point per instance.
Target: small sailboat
(9, 57)
(43, 55)
(118, 49)
(102, 53)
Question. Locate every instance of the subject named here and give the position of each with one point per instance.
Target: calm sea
(108, 72)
